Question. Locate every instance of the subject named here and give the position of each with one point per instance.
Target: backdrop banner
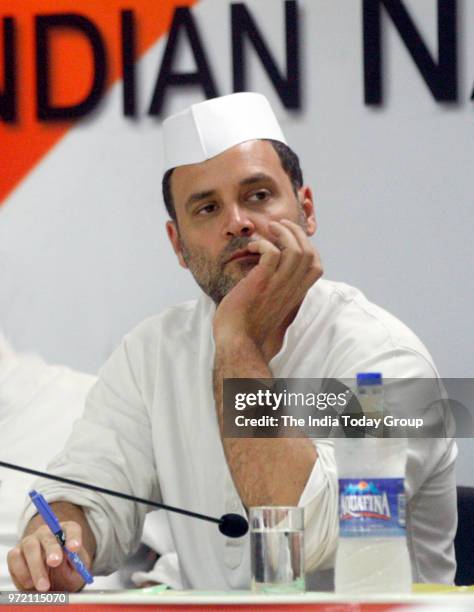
(375, 96)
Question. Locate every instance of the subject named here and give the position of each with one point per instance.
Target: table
(148, 600)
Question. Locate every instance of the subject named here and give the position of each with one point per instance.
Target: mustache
(236, 244)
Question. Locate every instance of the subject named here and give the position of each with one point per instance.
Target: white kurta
(38, 404)
(150, 429)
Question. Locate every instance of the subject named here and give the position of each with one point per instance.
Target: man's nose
(238, 222)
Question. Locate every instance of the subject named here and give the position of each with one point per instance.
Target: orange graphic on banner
(25, 142)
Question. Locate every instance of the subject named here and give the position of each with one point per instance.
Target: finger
(73, 533)
(308, 252)
(53, 552)
(311, 258)
(284, 236)
(19, 569)
(291, 251)
(270, 254)
(299, 233)
(33, 554)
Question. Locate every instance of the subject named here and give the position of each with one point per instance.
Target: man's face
(224, 203)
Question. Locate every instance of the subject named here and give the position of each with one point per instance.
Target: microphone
(230, 525)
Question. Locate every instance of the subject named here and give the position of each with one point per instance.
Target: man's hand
(249, 325)
(39, 563)
(262, 302)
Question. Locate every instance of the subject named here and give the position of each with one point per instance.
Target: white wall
(83, 252)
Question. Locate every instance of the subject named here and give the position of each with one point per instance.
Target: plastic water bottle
(372, 554)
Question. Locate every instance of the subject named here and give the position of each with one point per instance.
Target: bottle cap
(369, 378)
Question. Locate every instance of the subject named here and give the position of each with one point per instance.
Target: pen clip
(45, 511)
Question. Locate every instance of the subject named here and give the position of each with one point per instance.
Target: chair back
(464, 540)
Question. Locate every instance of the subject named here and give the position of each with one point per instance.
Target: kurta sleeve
(110, 446)
(320, 500)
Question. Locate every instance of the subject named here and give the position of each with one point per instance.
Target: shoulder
(172, 323)
(160, 338)
(361, 334)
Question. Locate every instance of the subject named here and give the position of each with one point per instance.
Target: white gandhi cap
(208, 128)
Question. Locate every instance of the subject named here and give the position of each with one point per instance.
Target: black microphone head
(233, 525)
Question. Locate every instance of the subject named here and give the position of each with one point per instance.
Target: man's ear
(173, 235)
(305, 196)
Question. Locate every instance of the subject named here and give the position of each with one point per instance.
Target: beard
(211, 275)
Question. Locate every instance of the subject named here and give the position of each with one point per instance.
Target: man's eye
(259, 196)
(206, 209)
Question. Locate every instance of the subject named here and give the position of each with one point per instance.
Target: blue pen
(52, 521)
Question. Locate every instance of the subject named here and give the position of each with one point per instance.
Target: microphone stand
(231, 525)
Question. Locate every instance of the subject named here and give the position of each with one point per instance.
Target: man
(241, 219)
